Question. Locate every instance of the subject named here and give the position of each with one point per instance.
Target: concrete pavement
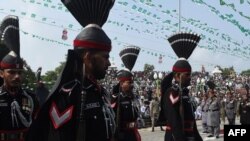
(158, 135)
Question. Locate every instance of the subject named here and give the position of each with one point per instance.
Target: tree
(29, 79)
(246, 72)
(228, 72)
(148, 69)
(50, 77)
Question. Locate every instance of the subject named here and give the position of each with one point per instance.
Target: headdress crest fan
(91, 14)
(9, 22)
(183, 43)
(11, 40)
(129, 56)
(89, 11)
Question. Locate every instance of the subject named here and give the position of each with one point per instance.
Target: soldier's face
(185, 78)
(12, 77)
(127, 86)
(100, 63)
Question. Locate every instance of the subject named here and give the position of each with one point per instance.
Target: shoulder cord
(69, 90)
(16, 107)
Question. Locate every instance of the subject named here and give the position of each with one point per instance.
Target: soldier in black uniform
(79, 108)
(18, 107)
(123, 99)
(178, 110)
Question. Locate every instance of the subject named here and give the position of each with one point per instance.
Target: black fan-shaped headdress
(7, 21)
(183, 45)
(128, 56)
(11, 40)
(91, 14)
(89, 11)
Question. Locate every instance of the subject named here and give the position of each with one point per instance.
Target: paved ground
(158, 135)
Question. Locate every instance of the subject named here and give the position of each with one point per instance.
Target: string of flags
(141, 14)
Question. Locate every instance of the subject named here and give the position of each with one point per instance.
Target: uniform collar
(90, 83)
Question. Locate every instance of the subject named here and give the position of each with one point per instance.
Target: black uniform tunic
(16, 114)
(181, 124)
(244, 110)
(128, 114)
(59, 119)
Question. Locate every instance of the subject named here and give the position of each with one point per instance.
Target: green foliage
(50, 77)
(148, 68)
(246, 72)
(29, 79)
(227, 72)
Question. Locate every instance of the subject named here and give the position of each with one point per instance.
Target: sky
(222, 24)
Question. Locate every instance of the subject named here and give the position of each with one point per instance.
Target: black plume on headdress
(10, 39)
(166, 82)
(73, 67)
(129, 56)
(9, 20)
(184, 44)
(9, 24)
(89, 11)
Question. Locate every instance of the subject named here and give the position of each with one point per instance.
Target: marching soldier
(18, 107)
(178, 111)
(222, 107)
(244, 108)
(79, 108)
(204, 111)
(230, 108)
(213, 120)
(123, 99)
(154, 112)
